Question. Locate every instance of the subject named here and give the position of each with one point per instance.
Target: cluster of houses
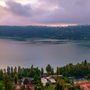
(45, 79)
(29, 86)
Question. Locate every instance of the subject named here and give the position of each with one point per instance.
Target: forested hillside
(70, 32)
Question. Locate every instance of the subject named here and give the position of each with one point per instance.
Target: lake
(40, 52)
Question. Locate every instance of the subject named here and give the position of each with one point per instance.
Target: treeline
(70, 32)
(21, 72)
(70, 70)
(78, 70)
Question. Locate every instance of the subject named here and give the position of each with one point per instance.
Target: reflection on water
(40, 52)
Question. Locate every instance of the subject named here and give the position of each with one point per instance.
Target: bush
(47, 84)
(26, 81)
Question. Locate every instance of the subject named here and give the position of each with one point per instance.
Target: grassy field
(49, 88)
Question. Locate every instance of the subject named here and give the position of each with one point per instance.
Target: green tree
(15, 78)
(57, 71)
(60, 84)
(42, 71)
(37, 71)
(12, 74)
(52, 71)
(1, 74)
(35, 77)
(15, 69)
(19, 72)
(48, 68)
(23, 87)
(3, 88)
(6, 80)
(85, 62)
(8, 70)
(35, 88)
(47, 84)
(4, 70)
(1, 85)
(26, 81)
(12, 88)
(32, 72)
(9, 86)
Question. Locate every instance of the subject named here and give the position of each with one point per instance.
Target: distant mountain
(71, 32)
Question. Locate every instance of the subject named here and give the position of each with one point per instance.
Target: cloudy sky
(44, 12)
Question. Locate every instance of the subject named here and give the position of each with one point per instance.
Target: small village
(49, 83)
(36, 79)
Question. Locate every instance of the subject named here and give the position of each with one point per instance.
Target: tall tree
(6, 80)
(42, 71)
(19, 72)
(60, 84)
(9, 86)
(52, 71)
(4, 70)
(32, 72)
(1, 74)
(48, 68)
(85, 62)
(57, 71)
(37, 71)
(8, 70)
(15, 78)
(12, 74)
(15, 69)
(35, 77)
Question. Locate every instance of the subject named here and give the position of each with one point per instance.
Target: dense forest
(78, 70)
(80, 32)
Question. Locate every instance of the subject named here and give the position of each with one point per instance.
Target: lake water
(40, 52)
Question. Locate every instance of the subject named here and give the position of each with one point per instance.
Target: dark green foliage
(6, 80)
(60, 84)
(23, 87)
(15, 78)
(9, 86)
(12, 74)
(48, 68)
(47, 84)
(8, 70)
(15, 69)
(42, 71)
(37, 71)
(12, 88)
(35, 77)
(35, 88)
(52, 71)
(26, 81)
(32, 71)
(1, 74)
(71, 32)
(19, 72)
(78, 70)
(1, 86)
(58, 72)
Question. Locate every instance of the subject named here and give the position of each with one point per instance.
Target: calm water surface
(40, 52)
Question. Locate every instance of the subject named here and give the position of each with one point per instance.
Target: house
(44, 81)
(52, 81)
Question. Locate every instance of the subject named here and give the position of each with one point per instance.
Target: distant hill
(70, 32)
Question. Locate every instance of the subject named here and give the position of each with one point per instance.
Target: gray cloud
(68, 11)
(18, 9)
(46, 12)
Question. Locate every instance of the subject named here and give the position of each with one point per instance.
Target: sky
(44, 12)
